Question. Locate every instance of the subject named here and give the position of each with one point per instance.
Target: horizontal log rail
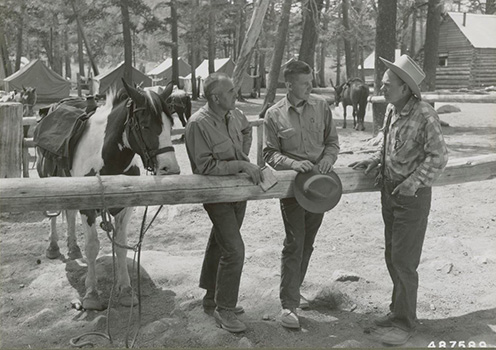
(460, 98)
(29, 194)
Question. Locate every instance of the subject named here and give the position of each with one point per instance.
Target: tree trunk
(211, 38)
(85, 40)
(311, 14)
(490, 7)
(20, 30)
(348, 47)
(128, 46)
(80, 52)
(338, 63)
(193, 51)
(67, 55)
(413, 36)
(252, 34)
(175, 43)
(241, 29)
(323, 44)
(431, 44)
(275, 66)
(385, 45)
(4, 54)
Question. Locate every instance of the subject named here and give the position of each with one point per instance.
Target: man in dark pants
(300, 134)
(218, 140)
(412, 156)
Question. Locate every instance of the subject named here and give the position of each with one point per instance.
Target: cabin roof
(479, 29)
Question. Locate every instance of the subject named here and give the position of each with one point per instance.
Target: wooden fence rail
(29, 194)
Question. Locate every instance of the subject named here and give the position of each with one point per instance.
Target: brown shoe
(227, 320)
(289, 318)
(209, 304)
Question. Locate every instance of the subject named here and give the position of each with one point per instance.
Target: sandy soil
(457, 294)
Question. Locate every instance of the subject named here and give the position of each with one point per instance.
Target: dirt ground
(457, 294)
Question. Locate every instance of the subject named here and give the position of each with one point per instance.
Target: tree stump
(11, 139)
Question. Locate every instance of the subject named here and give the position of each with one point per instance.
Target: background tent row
(50, 86)
(113, 78)
(221, 65)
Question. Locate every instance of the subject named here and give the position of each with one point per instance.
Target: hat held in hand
(317, 192)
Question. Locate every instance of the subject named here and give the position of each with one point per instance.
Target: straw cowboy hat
(316, 192)
(408, 70)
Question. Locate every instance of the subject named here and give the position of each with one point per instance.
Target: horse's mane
(153, 102)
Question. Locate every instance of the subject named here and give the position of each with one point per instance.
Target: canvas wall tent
(49, 85)
(221, 65)
(466, 51)
(369, 66)
(113, 78)
(162, 73)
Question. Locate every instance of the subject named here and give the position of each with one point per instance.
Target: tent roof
(202, 70)
(477, 28)
(167, 64)
(49, 85)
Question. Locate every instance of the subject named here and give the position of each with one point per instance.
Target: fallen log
(29, 194)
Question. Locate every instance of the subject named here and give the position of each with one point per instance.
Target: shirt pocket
(223, 150)
(404, 151)
(289, 139)
(316, 133)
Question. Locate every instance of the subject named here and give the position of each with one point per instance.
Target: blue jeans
(405, 220)
(301, 228)
(225, 253)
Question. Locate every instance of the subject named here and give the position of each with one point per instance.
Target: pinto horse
(136, 122)
(353, 93)
(178, 102)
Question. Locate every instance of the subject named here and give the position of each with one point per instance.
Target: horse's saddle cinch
(57, 134)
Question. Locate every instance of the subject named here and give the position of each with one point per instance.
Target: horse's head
(149, 128)
(338, 93)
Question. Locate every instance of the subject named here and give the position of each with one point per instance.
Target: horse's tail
(362, 105)
(187, 110)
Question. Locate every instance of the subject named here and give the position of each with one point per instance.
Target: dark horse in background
(178, 102)
(353, 93)
(135, 122)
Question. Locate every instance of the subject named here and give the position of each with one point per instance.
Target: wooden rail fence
(30, 194)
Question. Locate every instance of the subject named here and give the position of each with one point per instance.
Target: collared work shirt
(303, 133)
(415, 147)
(216, 145)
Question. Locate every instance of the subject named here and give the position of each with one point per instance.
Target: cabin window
(443, 60)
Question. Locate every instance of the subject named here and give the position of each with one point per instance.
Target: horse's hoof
(75, 253)
(127, 297)
(52, 252)
(91, 301)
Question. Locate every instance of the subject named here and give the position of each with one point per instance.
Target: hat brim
(319, 206)
(403, 76)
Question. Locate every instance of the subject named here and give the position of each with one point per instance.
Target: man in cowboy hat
(300, 135)
(413, 154)
(218, 139)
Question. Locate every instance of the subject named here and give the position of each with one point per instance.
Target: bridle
(148, 156)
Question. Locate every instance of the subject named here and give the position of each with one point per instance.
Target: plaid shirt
(415, 147)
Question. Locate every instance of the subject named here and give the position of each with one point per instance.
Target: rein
(148, 156)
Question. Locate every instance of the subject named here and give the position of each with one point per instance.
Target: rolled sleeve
(272, 152)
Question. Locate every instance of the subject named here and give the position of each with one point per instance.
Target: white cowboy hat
(316, 192)
(408, 70)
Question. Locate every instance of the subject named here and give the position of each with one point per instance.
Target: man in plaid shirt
(411, 158)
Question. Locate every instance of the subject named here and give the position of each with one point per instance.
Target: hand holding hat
(317, 192)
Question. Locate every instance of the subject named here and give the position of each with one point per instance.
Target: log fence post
(11, 139)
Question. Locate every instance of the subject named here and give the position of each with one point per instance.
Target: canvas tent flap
(49, 85)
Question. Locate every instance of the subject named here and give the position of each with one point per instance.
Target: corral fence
(23, 194)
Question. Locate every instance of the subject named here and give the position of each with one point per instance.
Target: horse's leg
(355, 116)
(91, 300)
(126, 297)
(53, 251)
(73, 250)
(344, 116)
(180, 114)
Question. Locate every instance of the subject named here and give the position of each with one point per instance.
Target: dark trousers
(405, 220)
(301, 228)
(225, 253)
